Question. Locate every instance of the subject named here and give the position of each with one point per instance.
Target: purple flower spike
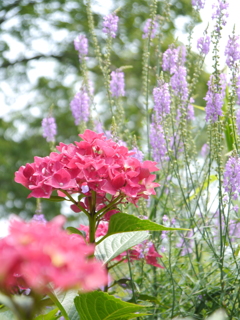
(198, 4)
(117, 83)
(49, 129)
(238, 90)
(158, 143)
(138, 154)
(203, 45)
(81, 45)
(173, 57)
(80, 106)
(232, 51)
(147, 28)
(231, 176)
(162, 100)
(110, 25)
(215, 98)
(238, 121)
(220, 13)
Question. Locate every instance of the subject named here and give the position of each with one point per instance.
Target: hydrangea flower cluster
(110, 25)
(147, 27)
(35, 254)
(198, 4)
(49, 129)
(215, 98)
(232, 51)
(162, 99)
(80, 106)
(81, 45)
(203, 44)
(117, 84)
(101, 164)
(231, 176)
(145, 250)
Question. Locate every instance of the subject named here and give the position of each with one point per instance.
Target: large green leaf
(115, 244)
(122, 222)
(66, 300)
(99, 305)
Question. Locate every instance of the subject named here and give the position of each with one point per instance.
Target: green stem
(59, 305)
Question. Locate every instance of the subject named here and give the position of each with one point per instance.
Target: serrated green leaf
(123, 222)
(48, 316)
(75, 231)
(115, 244)
(98, 305)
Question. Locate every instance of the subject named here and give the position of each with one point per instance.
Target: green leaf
(115, 244)
(98, 305)
(48, 316)
(199, 107)
(145, 297)
(66, 300)
(6, 314)
(75, 231)
(55, 199)
(123, 222)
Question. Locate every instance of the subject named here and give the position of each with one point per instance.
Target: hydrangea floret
(36, 254)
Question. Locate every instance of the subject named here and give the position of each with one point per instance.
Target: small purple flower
(39, 218)
(81, 45)
(85, 188)
(138, 154)
(232, 51)
(220, 14)
(148, 26)
(186, 244)
(110, 25)
(205, 150)
(173, 57)
(215, 98)
(117, 83)
(179, 83)
(231, 176)
(80, 106)
(158, 143)
(162, 100)
(235, 208)
(238, 121)
(198, 4)
(190, 110)
(238, 89)
(49, 129)
(203, 45)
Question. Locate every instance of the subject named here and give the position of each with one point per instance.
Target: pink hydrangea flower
(99, 163)
(35, 254)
